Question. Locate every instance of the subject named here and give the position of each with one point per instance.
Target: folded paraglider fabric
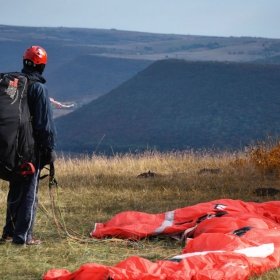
(225, 239)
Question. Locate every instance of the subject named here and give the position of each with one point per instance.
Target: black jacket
(41, 112)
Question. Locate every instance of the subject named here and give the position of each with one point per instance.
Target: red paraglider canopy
(225, 239)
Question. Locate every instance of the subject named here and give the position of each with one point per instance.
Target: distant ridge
(175, 105)
(86, 62)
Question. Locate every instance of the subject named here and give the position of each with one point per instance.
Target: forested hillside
(176, 104)
(190, 91)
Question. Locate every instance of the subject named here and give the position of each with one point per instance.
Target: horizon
(202, 18)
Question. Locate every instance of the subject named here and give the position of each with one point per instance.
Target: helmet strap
(30, 65)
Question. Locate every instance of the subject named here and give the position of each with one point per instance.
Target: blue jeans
(22, 204)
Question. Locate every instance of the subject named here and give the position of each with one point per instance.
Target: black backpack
(17, 145)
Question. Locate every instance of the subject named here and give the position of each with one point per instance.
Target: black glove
(47, 157)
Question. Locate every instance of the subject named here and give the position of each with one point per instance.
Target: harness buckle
(27, 168)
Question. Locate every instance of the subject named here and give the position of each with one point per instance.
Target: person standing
(22, 198)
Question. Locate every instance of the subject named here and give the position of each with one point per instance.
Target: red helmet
(36, 54)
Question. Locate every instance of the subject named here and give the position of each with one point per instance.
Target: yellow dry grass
(94, 189)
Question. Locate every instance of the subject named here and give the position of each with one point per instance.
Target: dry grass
(95, 189)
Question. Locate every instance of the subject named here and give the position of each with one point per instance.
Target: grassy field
(94, 189)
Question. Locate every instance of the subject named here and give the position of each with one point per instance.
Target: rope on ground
(66, 232)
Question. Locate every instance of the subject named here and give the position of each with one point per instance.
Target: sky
(252, 18)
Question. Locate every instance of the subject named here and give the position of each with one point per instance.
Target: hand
(47, 157)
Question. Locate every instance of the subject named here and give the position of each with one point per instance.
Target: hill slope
(175, 104)
(73, 53)
(88, 76)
